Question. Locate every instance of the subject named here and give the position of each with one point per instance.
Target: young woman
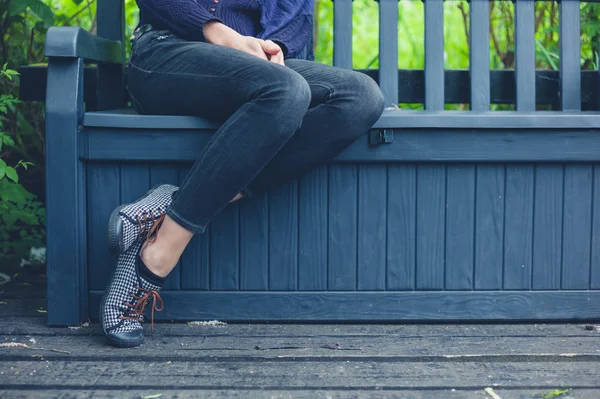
(247, 63)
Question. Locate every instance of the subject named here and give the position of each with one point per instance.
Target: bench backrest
(434, 86)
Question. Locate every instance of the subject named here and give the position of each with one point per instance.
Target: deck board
(242, 360)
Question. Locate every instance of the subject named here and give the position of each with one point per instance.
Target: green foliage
(21, 215)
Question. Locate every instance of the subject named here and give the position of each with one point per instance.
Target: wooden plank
(286, 374)
(313, 234)
(342, 33)
(479, 54)
(36, 393)
(434, 54)
(111, 25)
(201, 348)
(103, 193)
(489, 227)
(224, 250)
(518, 227)
(424, 137)
(525, 56)
(547, 227)
(371, 240)
(595, 258)
(195, 261)
(134, 182)
(431, 226)
(342, 255)
(18, 326)
(460, 227)
(254, 243)
(167, 174)
(570, 54)
(66, 222)
(388, 50)
(401, 227)
(577, 219)
(283, 237)
(27, 307)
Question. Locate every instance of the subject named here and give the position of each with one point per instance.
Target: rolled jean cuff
(246, 193)
(184, 223)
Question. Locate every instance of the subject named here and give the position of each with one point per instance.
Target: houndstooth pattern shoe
(130, 223)
(125, 299)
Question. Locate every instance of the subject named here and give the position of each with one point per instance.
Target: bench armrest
(74, 42)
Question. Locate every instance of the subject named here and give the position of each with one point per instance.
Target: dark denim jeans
(278, 122)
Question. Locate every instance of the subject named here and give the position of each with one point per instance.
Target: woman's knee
(289, 89)
(367, 101)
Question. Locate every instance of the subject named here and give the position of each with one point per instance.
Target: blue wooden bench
(435, 215)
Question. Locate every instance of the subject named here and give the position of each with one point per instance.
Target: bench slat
(434, 54)
(570, 53)
(388, 50)
(342, 33)
(479, 53)
(525, 55)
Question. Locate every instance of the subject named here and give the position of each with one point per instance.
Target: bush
(22, 216)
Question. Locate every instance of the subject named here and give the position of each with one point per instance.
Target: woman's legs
(344, 105)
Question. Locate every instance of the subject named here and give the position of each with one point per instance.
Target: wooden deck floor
(292, 361)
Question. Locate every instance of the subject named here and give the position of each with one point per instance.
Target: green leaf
(15, 7)
(158, 395)
(2, 173)
(42, 10)
(36, 6)
(11, 173)
(42, 311)
(2, 164)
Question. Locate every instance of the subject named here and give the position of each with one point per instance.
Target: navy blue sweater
(287, 22)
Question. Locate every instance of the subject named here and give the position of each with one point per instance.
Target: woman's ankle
(158, 261)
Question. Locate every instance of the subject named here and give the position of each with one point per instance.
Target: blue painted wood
(378, 306)
(104, 195)
(195, 261)
(595, 257)
(401, 227)
(254, 242)
(313, 233)
(411, 144)
(167, 174)
(110, 19)
(518, 227)
(66, 221)
(460, 227)
(431, 226)
(479, 54)
(570, 53)
(283, 237)
(489, 227)
(547, 227)
(577, 218)
(372, 210)
(224, 250)
(388, 50)
(342, 232)
(525, 55)
(342, 33)
(434, 54)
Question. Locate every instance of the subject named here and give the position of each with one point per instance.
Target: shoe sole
(124, 344)
(116, 246)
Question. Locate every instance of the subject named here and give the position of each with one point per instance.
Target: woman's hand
(218, 33)
(273, 51)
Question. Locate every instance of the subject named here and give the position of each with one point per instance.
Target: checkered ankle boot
(125, 300)
(130, 223)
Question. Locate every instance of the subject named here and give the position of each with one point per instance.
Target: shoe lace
(148, 223)
(135, 311)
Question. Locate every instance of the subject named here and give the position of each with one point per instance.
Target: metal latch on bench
(381, 136)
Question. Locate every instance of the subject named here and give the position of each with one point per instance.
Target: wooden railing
(479, 52)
